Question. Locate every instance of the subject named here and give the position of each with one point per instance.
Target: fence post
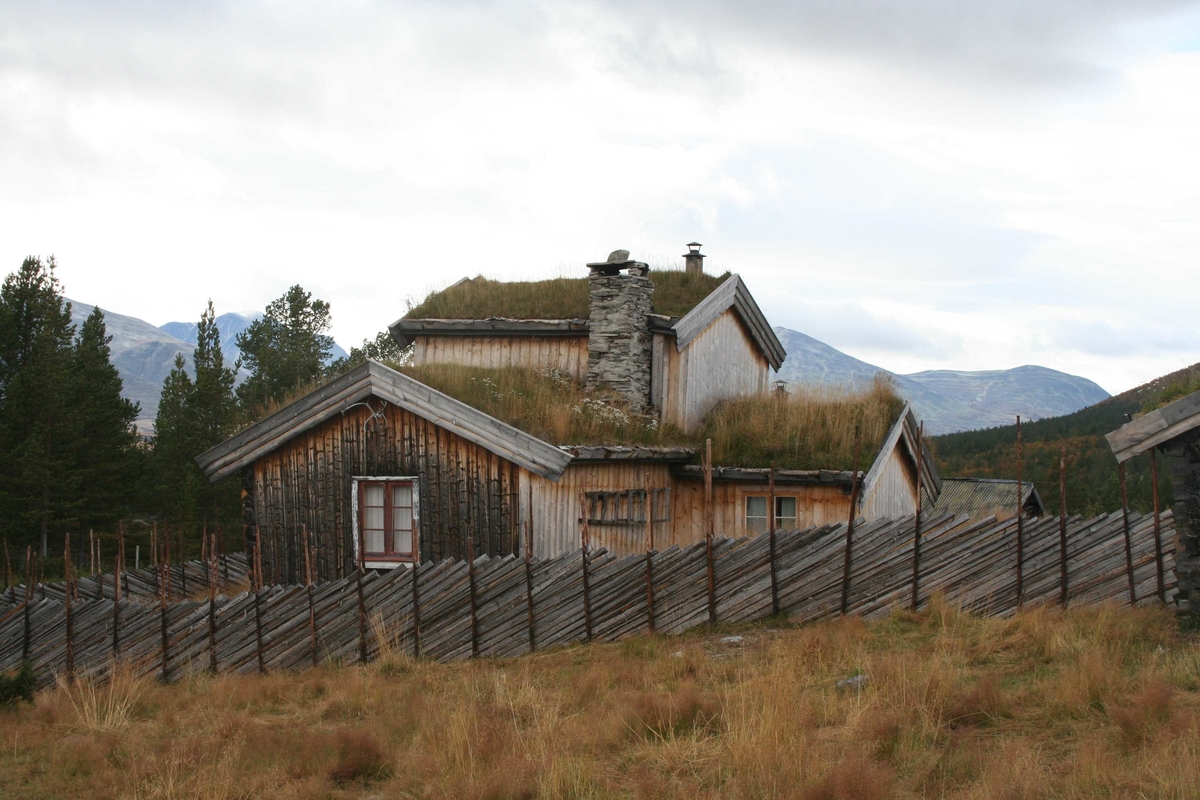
(471, 589)
(1020, 521)
(162, 611)
(1128, 540)
(183, 568)
(312, 608)
(67, 609)
(771, 523)
(529, 574)
(916, 572)
(362, 618)
(212, 609)
(116, 643)
(28, 600)
(7, 567)
(416, 604)
(708, 532)
(850, 523)
(1158, 553)
(1062, 525)
(649, 507)
(583, 538)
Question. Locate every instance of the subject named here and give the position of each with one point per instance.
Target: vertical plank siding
(305, 485)
(721, 363)
(568, 354)
(894, 493)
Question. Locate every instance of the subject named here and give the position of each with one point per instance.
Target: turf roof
(675, 294)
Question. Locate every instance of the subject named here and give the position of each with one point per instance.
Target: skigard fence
(182, 580)
(509, 606)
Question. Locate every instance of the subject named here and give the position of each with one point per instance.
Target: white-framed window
(386, 520)
(756, 513)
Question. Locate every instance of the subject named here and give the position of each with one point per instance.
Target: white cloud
(970, 185)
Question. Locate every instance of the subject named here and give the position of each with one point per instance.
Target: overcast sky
(966, 185)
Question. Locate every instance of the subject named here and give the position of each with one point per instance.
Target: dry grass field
(1089, 703)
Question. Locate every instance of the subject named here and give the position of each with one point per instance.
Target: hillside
(229, 325)
(947, 400)
(1092, 484)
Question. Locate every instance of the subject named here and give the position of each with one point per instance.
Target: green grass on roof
(675, 294)
(810, 428)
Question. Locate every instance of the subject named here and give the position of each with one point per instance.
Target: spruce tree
(176, 443)
(214, 412)
(38, 427)
(285, 350)
(107, 450)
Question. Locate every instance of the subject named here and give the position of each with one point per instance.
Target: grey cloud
(1101, 338)
(849, 325)
(1015, 42)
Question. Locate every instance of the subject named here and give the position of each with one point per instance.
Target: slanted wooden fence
(508, 606)
(181, 580)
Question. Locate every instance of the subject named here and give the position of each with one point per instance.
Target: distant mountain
(144, 354)
(230, 325)
(947, 400)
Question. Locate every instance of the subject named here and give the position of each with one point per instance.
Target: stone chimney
(694, 259)
(621, 299)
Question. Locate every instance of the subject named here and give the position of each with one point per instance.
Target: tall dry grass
(1089, 703)
(675, 294)
(810, 427)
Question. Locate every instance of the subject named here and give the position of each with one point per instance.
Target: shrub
(18, 685)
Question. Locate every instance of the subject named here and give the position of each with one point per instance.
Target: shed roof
(1159, 426)
(985, 497)
(373, 379)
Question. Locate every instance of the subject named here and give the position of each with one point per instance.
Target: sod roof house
(672, 343)
(383, 466)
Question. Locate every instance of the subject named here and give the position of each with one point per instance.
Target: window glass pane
(401, 519)
(402, 495)
(402, 542)
(372, 494)
(374, 541)
(785, 510)
(756, 507)
(372, 519)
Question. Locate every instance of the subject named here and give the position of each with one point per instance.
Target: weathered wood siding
(815, 505)
(557, 507)
(464, 489)
(720, 363)
(894, 493)
(569, 354)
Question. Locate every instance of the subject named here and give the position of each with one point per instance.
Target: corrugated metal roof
(985, 497)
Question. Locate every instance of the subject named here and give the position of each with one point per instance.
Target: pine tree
(175, 445)
(107, 451)
(38, 428)
(286, 349)
(383, 347)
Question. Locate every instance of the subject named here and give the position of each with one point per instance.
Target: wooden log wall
(815, 505)
(305, 487)
(510, 608)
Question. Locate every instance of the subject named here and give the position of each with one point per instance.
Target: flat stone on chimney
(621, 299)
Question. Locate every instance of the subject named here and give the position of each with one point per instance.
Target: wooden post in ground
(167, 556)
(116, 642)
(846, 561)
(771, 523)
(649, 507)
(28, 599)
(1158, 552)
(584, 536)
(162, 611)
(7, 566)
(182, 568)
(362, 618)
(67, 609)
(312, 608)
(708, 532)
(258, 638)
(1062, 526)
(471, 590)
(1020, 521)
(212, 610)
(1128, 540)
(529, 573)
(916, 570)
(416, 608)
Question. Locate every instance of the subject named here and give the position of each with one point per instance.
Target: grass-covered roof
(675, 294)
(810, 428)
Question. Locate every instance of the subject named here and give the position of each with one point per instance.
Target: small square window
(756, 514)
(785, 513)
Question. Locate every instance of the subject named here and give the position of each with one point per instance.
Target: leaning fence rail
(500, 607)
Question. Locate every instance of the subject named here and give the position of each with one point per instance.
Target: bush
(18, 686)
